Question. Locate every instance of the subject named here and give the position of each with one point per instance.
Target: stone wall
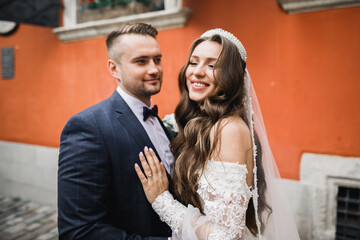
(29, 172)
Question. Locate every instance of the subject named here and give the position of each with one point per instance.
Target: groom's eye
(157, 60)
(140, 61)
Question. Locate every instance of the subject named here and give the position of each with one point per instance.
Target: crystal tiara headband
(229, 36)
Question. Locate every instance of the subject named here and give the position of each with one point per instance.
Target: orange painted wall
(305, 68)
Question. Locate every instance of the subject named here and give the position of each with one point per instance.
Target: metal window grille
(348, 214)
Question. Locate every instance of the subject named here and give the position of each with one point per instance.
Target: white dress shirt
(152, 127)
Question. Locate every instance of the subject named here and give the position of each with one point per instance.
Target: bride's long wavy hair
(192, 147)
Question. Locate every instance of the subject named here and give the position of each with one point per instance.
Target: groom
(99, 194)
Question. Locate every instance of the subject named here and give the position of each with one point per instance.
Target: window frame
(174, 16)
(300, 6)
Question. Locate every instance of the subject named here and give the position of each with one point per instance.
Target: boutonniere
(170, 123)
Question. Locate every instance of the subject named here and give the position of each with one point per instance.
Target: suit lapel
(128, 119)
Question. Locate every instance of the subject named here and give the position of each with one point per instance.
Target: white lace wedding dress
(225, 197)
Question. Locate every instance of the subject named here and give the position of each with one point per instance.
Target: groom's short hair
(128, 28)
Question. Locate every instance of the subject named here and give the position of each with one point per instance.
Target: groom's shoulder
(103, 106)
(94, 111)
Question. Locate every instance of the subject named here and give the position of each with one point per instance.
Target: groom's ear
(113, 68)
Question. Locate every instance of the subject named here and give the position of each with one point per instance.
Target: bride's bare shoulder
(237, 124)
(235, 140)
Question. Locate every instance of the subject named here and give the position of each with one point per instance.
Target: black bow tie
(150, 112)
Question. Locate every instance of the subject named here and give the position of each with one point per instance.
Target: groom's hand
(155, 180)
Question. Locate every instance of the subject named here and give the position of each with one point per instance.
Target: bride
(225, 175)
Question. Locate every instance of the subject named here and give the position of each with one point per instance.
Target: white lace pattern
(225, 196)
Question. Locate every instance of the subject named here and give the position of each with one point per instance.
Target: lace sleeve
(225, 196)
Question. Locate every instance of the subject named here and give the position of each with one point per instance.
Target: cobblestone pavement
(25, 220)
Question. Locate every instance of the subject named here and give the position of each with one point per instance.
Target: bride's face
(200, 72)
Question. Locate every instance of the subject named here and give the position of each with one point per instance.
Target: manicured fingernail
(141, 154)
(150, 149)
(136, 165)
(146, 148)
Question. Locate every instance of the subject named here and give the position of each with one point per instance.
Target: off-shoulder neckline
(228, 163)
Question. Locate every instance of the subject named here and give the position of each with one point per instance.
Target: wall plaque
(7, 63)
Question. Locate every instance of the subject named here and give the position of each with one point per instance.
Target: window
(298, 6)
(91, 10)
(86, 19)
(348, 214)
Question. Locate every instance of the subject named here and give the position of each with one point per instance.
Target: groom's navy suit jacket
(99, 193)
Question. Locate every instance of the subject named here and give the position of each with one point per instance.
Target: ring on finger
(149, 175)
